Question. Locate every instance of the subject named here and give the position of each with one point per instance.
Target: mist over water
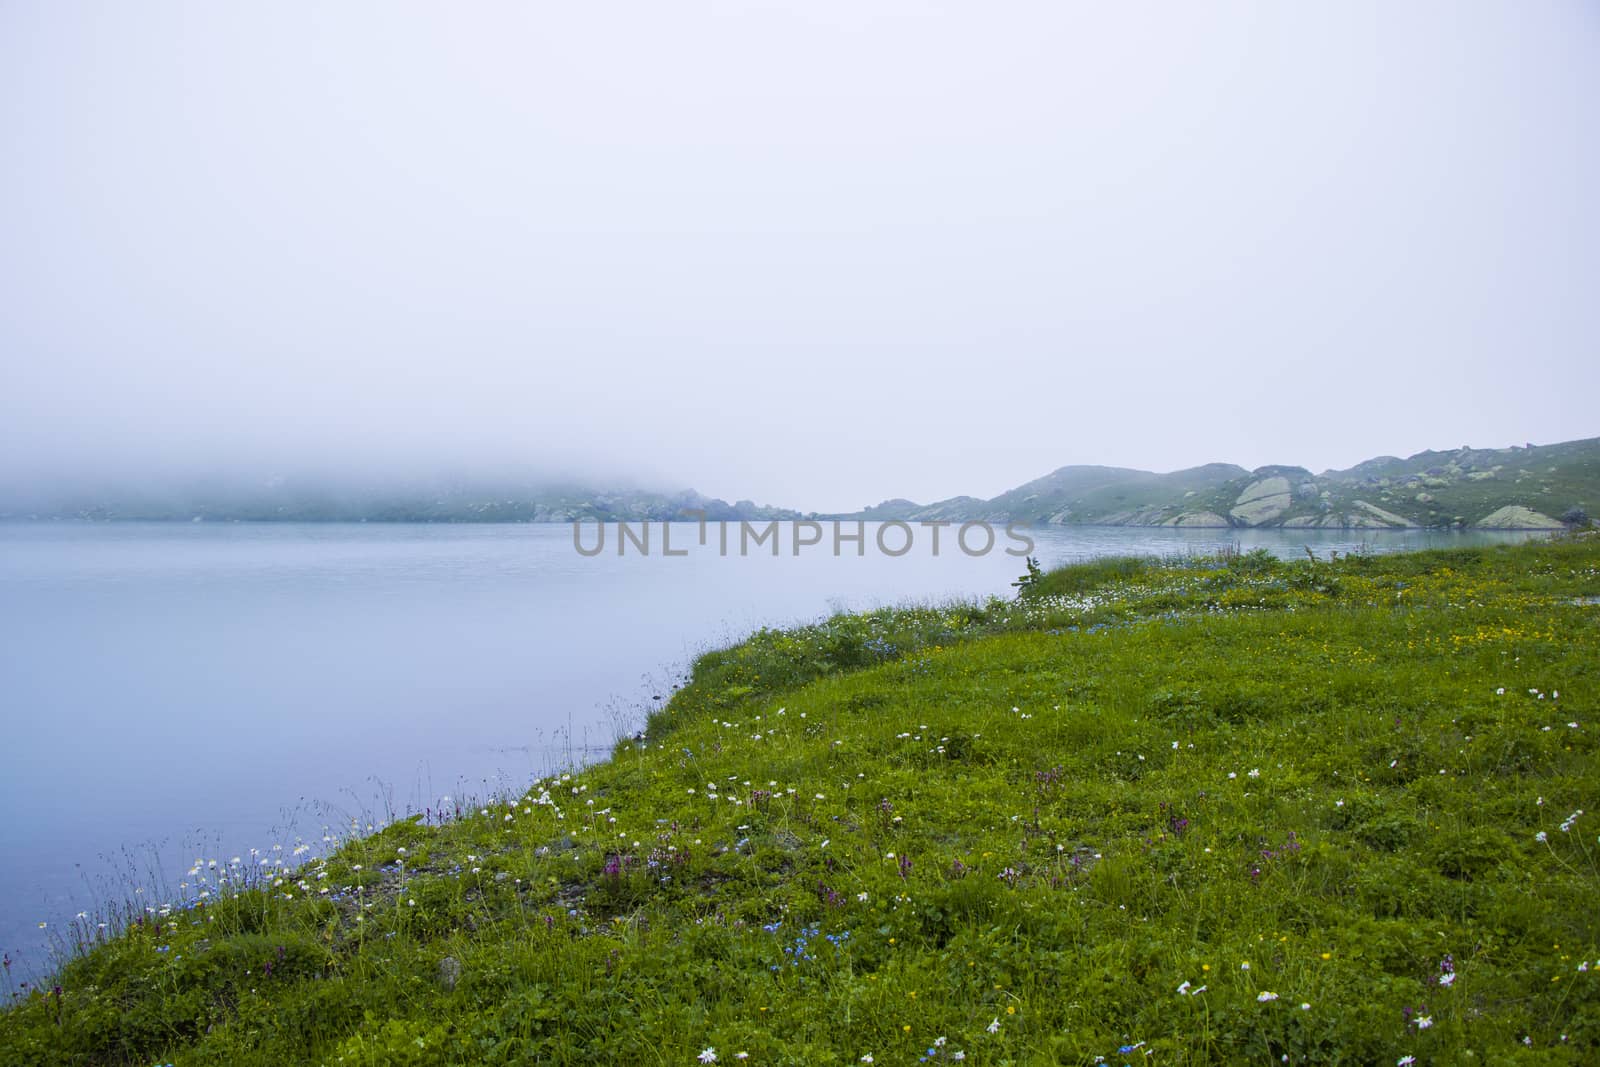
(810, 254)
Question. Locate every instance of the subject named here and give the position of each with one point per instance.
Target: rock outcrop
(1517, 517)
(1198, 520)
(1263, 501)
(1372, 515)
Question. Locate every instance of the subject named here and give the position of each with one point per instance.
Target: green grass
(1016, 828)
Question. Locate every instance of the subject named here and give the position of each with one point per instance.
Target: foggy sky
(811, 253)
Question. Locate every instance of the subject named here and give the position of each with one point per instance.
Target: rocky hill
(1521, 487)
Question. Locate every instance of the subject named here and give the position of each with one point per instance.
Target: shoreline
(849, 783)
(24, 520)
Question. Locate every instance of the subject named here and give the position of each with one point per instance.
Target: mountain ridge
(1518, 487)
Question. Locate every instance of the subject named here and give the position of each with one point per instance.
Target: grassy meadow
(1206, 811)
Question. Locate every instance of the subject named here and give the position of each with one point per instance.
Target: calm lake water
(171, 691)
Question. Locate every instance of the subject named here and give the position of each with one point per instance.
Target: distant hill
(1522, 487)
(282, 500)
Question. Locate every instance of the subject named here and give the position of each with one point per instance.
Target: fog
(813, 254)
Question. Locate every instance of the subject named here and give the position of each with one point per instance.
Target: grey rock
(1263, 501)
(1517, 517)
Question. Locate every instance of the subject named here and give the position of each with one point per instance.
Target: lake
(173, 691)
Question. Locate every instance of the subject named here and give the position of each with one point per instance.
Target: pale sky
(811, 253)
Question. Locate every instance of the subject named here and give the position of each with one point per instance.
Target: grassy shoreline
(1035, 831)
